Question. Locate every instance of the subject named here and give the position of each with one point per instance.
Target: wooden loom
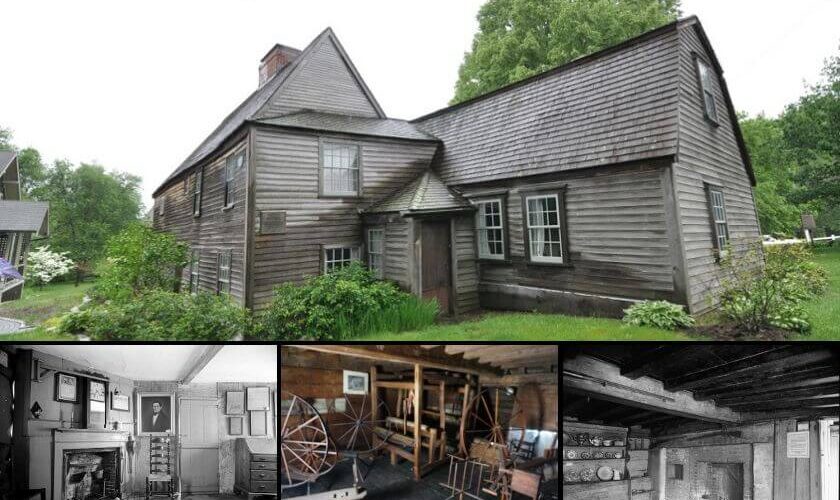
(406, 438)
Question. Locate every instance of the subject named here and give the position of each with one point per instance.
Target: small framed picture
(235, 403)
(97, 391)
(258, 398)
(235, 426)
(355, 382)
(120, 402)
(155, 415)
(258, 423)
(66, 388)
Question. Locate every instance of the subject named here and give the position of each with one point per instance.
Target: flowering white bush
(44, 265)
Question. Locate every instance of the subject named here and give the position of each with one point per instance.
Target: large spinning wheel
(354, 428)
(305, 449)
(493, 414)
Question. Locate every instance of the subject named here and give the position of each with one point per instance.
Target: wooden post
(464, 409)
(374, 399)
(442, 404)
(418, 401)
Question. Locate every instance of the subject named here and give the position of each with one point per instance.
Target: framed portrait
(120, 402)
(258, 398)
(66, 388)
(97, 391)
(259, 425)
(235, 403)
(235, 426)
(155, 415)
(355, 382)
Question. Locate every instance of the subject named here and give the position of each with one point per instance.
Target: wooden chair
(159, 482)
(519, 481)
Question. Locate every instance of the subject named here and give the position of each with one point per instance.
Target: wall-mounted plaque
(235, 403)
(798, 444)
(258, 398)
(271, 222)
(259, 423)
(65, 388)
(235, 426)
(120, 402)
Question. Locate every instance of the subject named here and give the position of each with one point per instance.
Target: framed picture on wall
(155, 414)
(258, 423)
(355, 382)
(235, 426)
(66, 388)
(235, 403)
(258, 398)
(120, 402)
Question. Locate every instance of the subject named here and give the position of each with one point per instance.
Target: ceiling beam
(758, 363)
(638, 416)
(788, 394)
(588, 375)
(511, 352)
(787, 403)
(760, 416)
(534, 361)
(391, 353)
(200, 362)
(646, 422)
(641, 363)
(771, 383)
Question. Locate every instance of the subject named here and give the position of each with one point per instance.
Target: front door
(436, 270)
(199, 431)
(726, 481)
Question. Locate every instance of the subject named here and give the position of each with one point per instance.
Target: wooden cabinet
(596, 489)
(256, 466)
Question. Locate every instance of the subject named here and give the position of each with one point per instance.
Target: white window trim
(322, 169)
(539, 258)
(354, 254)
(479, 226)
(378, 272)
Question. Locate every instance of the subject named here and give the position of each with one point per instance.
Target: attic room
(90, 422)
(701, 421)
(418, 422)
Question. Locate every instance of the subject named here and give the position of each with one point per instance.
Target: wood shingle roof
(427, 193)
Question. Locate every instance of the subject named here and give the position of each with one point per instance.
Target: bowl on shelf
(605, 473)
(571, 454)
(607, 442)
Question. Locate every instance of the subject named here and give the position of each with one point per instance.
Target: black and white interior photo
(93, 422)
(700, 421)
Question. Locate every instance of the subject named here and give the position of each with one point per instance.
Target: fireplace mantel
(88, 435)
(91, 439)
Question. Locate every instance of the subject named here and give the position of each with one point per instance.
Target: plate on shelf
(571, 454)
(585, 455)
(618, 454)
(587, 474)
(598, 454)
(571, 476)
(605, 473)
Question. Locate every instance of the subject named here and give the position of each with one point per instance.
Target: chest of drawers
(256, 466)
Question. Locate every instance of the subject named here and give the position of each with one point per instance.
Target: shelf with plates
(581, 480)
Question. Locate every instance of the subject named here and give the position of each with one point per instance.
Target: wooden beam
(642, 415)
(645, 422)
(384, 356)
(534, 362)
(374, 396)
(206, 356)
(819, 401)
(785, 394)
(761, 416)
(771, 381)
(511, 352)
(418, 405)
(390, 384)
(587, 375)
(753, 364)
(641, 363)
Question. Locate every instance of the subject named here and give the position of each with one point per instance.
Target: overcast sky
(135, 86)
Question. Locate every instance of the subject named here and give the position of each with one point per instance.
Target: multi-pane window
(339, 169)
(705, 75)
(717, 210)
(376, 250)
(335, 257)
(161, 204)
(543, 225)
(4, 244)
(489, 224)
(198, 178)
(232, 165)
(223, 273)
(194, 260)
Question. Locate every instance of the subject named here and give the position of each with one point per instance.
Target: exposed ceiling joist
(774, 385)
(200, 362)
(641, 363)
(791, 413)
(785, 394)
(817, 402)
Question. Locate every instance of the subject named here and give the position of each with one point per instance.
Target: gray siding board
(465, 284)
(708, 154)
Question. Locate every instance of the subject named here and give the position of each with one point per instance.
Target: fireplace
(91, 474)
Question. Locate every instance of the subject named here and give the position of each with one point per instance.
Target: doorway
(199, 432)
(725, 482)
(436, 270)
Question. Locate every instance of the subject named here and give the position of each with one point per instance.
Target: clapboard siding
(465, 265)
(323, 83)
(397, 252)
(215, 230)
(286, 179)
(708, 154)
(619, 242)
(615, 108)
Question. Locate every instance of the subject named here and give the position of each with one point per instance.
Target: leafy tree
(33, 172)
(519, 38)
(44, 265)
(87, 206)
(6, 138)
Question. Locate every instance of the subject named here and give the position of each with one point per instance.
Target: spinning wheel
(305, 449)
(491, 415)
(353, 428)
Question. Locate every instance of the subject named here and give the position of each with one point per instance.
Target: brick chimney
(276, 58)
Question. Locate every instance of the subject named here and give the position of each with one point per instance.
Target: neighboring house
(629, 164)
(19, 222)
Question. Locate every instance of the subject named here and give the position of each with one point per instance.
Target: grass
(825, 311)
(39, 304)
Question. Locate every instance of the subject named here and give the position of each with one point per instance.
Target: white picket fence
(794, 241)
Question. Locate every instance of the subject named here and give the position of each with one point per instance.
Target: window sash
(232, 164)
(490, 229)
(194, 275)
(717, 206)
(198, 180)
(339, 169)
(706, 87)
(545, 236)
(376, 251)
(339, 256)
(223, 272)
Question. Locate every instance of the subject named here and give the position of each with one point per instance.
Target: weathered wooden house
(617, 177)
(19, 222)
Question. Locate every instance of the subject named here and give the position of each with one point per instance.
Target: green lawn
(40, 304)
(824, 312)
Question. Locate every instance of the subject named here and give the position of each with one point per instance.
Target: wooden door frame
(416, 241)
(181, 441)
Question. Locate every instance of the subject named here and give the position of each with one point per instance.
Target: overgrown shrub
(658, 314)
(139, 259)
(160, 315)
(756, 299)
(340, 304)
(44, 265)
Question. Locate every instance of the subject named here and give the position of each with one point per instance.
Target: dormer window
(704, 74)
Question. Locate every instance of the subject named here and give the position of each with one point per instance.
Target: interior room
(85, 422)
(418, 422)
(701, 421)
